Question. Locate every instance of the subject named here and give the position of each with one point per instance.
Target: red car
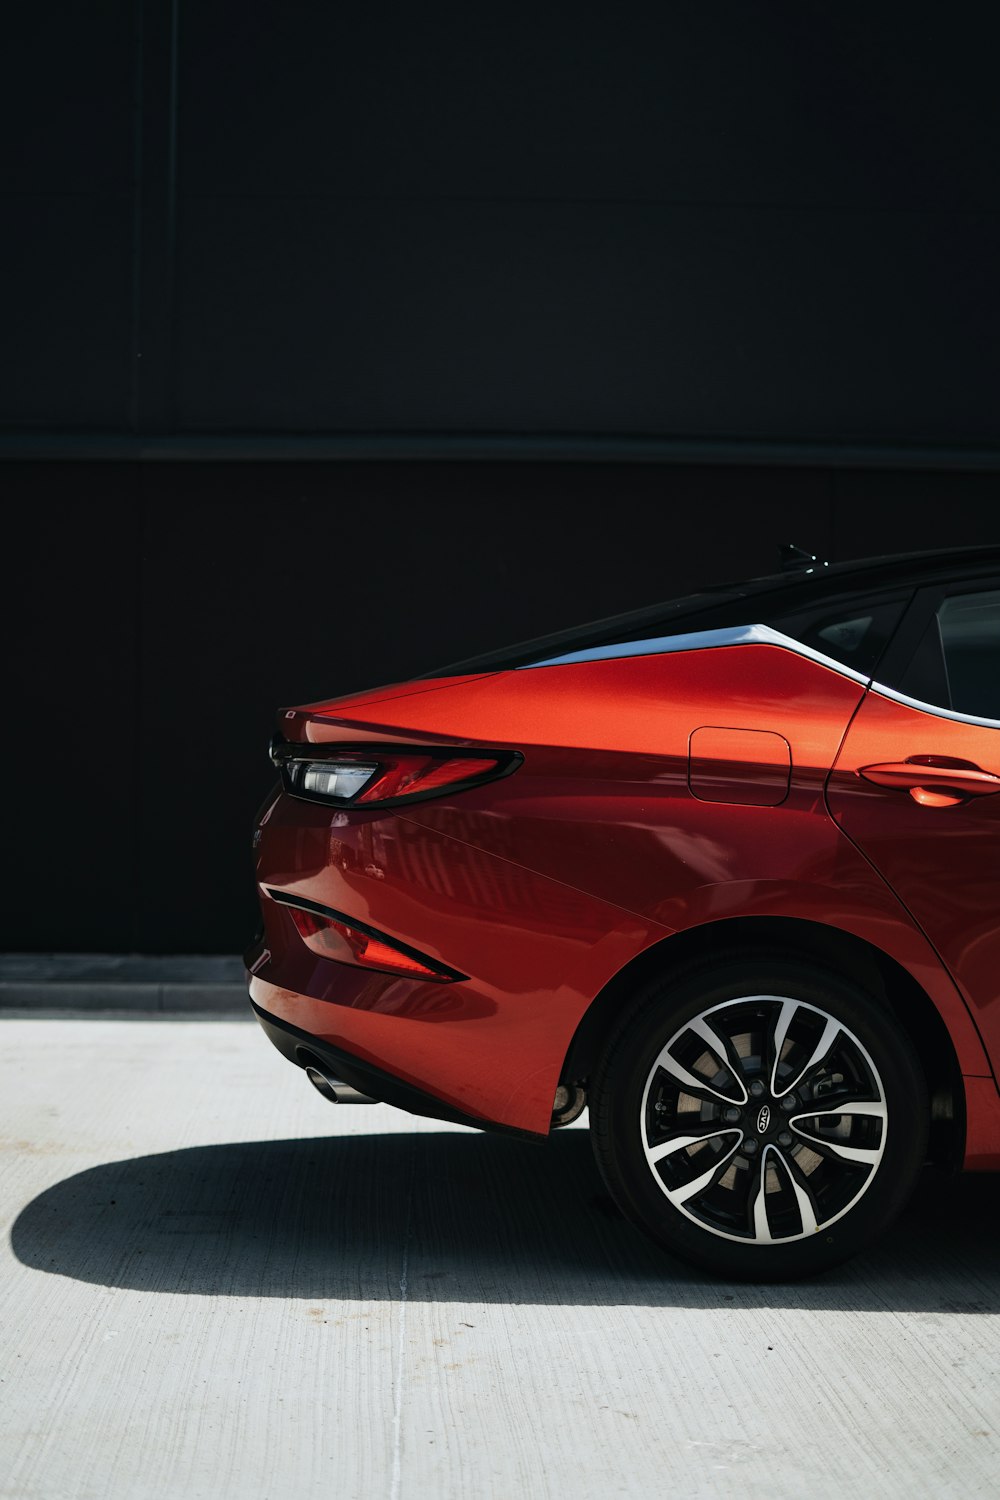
(726, 870)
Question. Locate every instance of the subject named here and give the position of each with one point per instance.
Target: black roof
(893, 568)
(749, 601)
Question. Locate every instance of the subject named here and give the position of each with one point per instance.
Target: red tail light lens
(414, 775)
(377, 776)
(338, 938)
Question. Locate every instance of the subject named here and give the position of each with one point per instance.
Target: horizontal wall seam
(492, 447)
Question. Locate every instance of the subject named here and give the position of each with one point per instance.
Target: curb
(95, 983)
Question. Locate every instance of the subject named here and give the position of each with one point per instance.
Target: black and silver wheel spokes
(705, 1062)
(770, 1220)
(693, 1160)
(763, 1119)
(853, 1132)
(799, 1041)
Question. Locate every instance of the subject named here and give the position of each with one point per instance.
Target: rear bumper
(529, 954)
(302, 1048)
(442, 1050)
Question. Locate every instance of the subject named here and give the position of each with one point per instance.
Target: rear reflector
(338, 938)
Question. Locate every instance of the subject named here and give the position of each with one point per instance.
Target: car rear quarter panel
(541, 887)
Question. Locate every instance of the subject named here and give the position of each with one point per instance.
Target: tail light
(384, 777)
(332, 935)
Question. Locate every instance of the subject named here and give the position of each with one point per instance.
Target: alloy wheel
(763, 1120)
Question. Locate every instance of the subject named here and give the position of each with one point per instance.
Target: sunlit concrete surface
(216, 1285)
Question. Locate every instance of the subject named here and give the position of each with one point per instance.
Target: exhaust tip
(321, 1085)
(334, 1090)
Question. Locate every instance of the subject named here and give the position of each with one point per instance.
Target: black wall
(742, 233)
(719, 221)
(156, 616)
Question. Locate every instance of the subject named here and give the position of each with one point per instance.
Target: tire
(714, 1120)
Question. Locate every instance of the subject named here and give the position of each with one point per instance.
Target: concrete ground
(215, 1285)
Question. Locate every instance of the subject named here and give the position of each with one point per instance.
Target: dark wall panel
(725, 222)
(70, 622)
(580, 317)
(65, 267)
(67, 96)
(725, 102)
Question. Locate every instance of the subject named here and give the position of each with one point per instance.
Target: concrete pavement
(215, 1285)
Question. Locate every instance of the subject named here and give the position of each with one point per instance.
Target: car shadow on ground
(482, 1218)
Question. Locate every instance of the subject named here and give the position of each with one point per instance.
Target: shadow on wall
(483, 1219)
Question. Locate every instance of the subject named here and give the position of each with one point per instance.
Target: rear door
(917, 784)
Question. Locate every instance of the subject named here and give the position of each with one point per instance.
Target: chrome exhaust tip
(334, 1090)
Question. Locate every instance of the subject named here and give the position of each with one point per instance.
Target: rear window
(854, 630)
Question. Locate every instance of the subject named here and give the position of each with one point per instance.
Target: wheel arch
(843, 952)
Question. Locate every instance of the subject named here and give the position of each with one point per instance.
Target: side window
(856, 634)
(957, 662)
(970, 641)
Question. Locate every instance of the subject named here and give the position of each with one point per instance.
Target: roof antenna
(797, 560)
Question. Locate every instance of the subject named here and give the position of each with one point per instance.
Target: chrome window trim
(932, 708)
(752, 635)
(701, 640)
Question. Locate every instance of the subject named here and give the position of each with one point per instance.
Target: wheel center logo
(763, 1120)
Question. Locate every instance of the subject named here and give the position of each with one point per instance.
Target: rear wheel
(760, 1117)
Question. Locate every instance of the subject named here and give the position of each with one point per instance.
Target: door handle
(934, 780)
